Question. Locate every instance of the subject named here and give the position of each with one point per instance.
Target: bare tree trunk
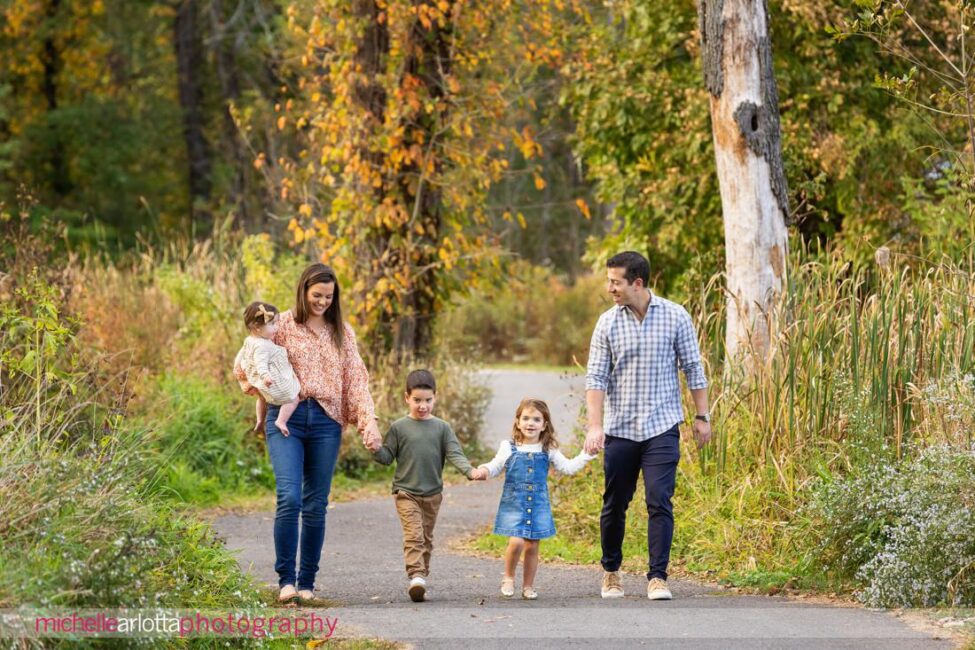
(60, 180)
(189, 61)
(429, 62)
(754, 197)
(225, 54)
(370, 59)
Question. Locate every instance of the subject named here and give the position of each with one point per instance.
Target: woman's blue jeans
(303, 466)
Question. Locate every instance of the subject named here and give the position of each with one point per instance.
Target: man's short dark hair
(636, 265)
(420, 379)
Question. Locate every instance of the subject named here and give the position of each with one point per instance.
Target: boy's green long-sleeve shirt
(420, 449)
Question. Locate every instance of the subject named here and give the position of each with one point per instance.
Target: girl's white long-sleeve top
(556, 457)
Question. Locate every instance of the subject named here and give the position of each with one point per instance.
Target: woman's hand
(371, 437)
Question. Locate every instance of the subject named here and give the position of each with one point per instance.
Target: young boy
(420, 443)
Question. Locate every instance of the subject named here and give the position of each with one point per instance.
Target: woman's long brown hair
(316, 274)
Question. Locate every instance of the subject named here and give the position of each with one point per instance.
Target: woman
(334, 392)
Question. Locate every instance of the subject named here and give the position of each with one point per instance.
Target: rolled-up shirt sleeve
(689, 354)
(357, 404)
(600, 358)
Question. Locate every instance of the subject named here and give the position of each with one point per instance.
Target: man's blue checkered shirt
(636, 365)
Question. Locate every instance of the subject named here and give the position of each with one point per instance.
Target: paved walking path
(362, 570)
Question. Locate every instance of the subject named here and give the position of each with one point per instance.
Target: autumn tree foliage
(405, 109)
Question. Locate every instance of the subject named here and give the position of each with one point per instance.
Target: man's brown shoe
(657, 590)
(612, 585)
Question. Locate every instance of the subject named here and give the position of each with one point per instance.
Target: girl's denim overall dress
(525, 510)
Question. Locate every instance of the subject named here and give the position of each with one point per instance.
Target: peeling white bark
(744, 115)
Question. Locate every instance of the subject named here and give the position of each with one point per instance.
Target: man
(636, 349)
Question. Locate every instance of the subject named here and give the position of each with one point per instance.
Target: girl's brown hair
(258, 314)
(547, 437)
(317, 274)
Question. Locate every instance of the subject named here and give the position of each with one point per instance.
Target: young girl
(266, 365)
(525, 514)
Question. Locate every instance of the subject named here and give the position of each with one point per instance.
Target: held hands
(479, 474)
(268, 381)
(371, 437)
(595, 439)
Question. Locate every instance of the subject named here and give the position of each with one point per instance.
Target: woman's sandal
(507, 587)
(288, 593)
(529, 593)
(306, 597)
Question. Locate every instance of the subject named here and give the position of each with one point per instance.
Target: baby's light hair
(547, 436)
(258, 314)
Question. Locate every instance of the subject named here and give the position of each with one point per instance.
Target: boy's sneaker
(418, 589)
(657, 590)
(612, 585)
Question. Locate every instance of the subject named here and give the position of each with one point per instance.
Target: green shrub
(534, 316)
(201, 432)
(81, 527)
(79, 531)
(905, 530)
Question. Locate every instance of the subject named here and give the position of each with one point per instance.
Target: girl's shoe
(529, 593)
(287, 594)
(507, 587)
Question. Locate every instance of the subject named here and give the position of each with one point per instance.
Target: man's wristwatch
(703, 418)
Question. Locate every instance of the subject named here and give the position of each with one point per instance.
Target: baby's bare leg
(287, 410)
(261, 408)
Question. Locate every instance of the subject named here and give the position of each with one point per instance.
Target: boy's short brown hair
(420, 379)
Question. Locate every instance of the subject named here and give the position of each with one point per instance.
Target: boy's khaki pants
(417, 515)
